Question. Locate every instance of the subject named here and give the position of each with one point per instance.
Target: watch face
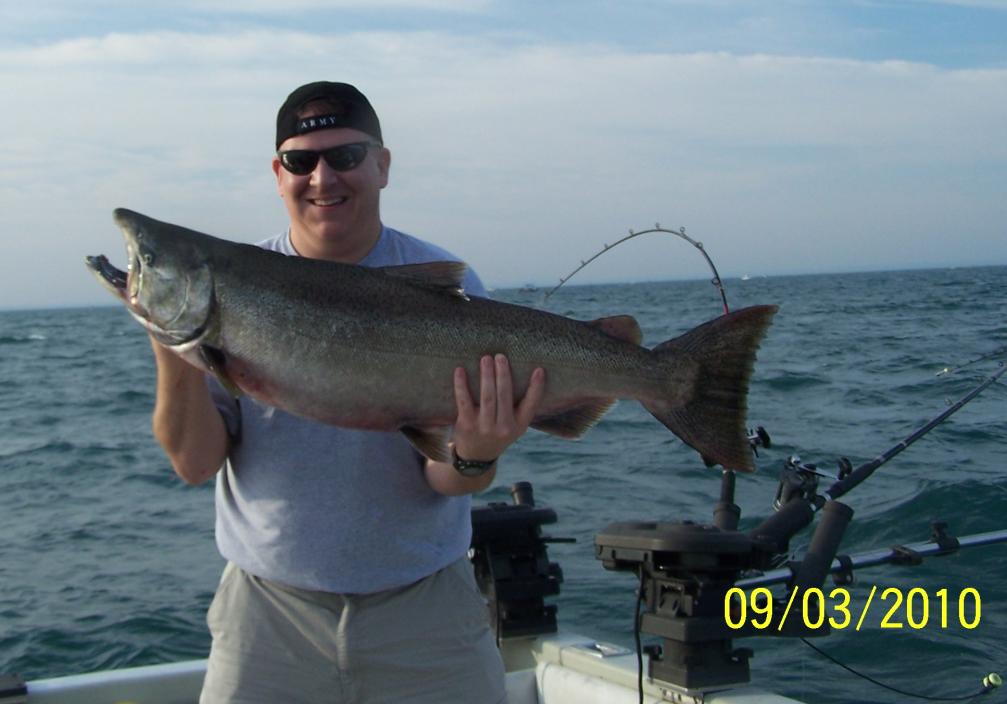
(473, 470)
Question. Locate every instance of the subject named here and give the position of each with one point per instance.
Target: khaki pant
(426, 642)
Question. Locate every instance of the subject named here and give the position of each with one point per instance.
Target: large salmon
(375, 348)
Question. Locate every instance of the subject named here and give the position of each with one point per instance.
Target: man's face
(327, 206)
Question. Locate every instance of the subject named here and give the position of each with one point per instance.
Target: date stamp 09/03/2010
(899, 608)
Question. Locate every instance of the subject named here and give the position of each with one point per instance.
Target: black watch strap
(471, 468)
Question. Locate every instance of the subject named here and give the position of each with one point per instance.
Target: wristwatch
(471, 468)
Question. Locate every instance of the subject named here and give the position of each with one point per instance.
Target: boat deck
(563, 669)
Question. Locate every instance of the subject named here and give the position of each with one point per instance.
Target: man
(347, 578)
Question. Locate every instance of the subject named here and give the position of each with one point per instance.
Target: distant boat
(529, 288)
(745, 277)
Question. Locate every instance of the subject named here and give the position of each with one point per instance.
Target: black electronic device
(512, 566)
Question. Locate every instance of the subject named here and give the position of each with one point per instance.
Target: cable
(636, 636)
(990, 682)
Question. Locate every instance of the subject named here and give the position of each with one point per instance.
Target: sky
(798, 136)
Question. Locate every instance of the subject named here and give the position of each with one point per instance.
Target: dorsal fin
(622, 327)
(441, 276)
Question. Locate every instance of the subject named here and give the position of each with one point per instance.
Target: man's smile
(327, 202)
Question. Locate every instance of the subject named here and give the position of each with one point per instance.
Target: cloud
(521, 156)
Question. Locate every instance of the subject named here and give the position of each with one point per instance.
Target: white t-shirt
(331, 509)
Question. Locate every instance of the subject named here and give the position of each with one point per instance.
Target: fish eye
(148, 258)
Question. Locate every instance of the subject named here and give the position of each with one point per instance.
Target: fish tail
(711, 418)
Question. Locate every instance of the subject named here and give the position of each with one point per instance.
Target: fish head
(168, 283)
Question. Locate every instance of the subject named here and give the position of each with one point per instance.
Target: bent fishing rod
(680, 232)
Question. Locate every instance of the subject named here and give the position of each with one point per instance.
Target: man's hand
(484, 431)
(185, 421)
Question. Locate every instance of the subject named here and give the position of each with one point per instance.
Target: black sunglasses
(345, 157)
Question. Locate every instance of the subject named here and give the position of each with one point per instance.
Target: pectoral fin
(216, 363)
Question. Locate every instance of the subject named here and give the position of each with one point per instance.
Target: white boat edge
(558, 669)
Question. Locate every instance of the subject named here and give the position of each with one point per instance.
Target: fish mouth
(149, 291)
(121, 284)
(115, 280)
(125, 285)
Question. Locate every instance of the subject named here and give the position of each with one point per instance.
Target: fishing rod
(797, 502)
(849, 478)
(797, 499)
(680, 232)
(995, 353)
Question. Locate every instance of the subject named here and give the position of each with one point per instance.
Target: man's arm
(483, 432)
(185, 421)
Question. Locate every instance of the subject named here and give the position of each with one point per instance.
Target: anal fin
(573, 422)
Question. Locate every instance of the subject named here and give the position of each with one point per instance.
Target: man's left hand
(484, 431)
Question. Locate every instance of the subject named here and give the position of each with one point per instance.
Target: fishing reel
(800, 479)
(759, 438)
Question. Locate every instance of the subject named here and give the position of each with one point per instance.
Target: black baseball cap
(353, 111)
